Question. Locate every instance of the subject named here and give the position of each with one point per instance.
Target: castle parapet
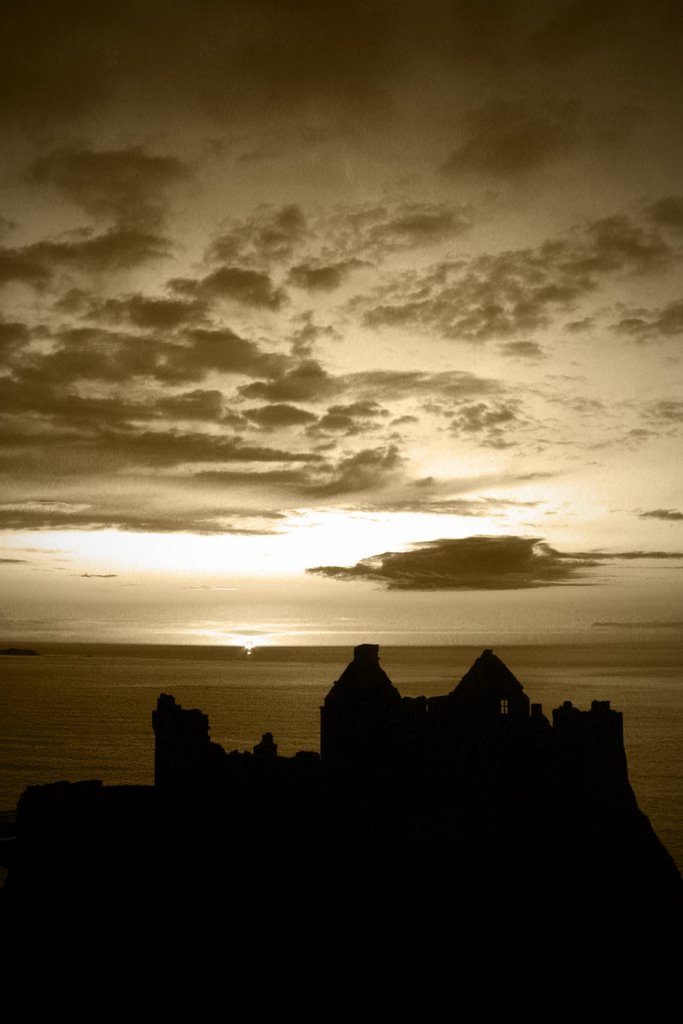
(590, 744)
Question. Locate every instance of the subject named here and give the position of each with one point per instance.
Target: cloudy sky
(333, 322)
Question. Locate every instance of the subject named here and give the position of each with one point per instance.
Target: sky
(341, 322)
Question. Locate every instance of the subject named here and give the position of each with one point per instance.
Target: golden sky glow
(373, 306)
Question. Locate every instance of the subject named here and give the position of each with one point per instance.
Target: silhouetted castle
(456, 854)
(483, 733)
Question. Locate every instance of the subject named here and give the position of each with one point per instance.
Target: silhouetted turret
(181, 748)
(361, 715)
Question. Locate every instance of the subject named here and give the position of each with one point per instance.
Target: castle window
(504, 707)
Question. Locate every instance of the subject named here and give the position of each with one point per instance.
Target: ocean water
(82, 711)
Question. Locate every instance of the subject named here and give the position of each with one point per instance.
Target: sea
(84, 711)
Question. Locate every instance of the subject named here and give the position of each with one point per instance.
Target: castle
(485, 732)
(459, 855)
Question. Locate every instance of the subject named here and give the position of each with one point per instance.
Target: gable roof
(488, 677)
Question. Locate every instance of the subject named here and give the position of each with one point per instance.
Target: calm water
(84, 711)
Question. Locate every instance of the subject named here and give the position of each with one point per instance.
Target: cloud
(515, 291)
(98, 575)
(206, 587)
(639, 624)
(70, 449)
(56, 515)
(665, 412)
(14, 561)
(13, 336)
(97, 354)
(410, 225)
(669, 515)
(126, 184)
(351, 419)
(238, 284)
(323, 277)
(198, 404)
(491, 422)
(505, 140)
(278, 416)
(522, 349)
(393, 385)
(84, 252)
(267, 235)
(468, 563)
(365, 234)
(667, 212)
(306, 381)
(631, 556)
(366, 470)
(343, 62)
(225, 351)
(168, 448)
(575, 28)
(143, 311)
(644, 324)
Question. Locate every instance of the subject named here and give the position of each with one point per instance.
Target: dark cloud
(98, 575)
(366, 470)
(516, 291)
(323, 277)
(393, 385)
(199, 404)
(94, 354)
(236, 284)
(56, 515)
(97, 448)
(665, 412)
(14, 561)
(645, 324)
(83, 252)
(408, 225)
(268, 234)
(252, 480)
(6, 226)
(232, 61)
(469, 563)
(667, 212)
(226, 352)
(97, 354)
(143, 311)
(489, 422)
(505, 140)
(522, 349)
(173, 448)
(577, 27)
(279, 415)
(351, 419)
(13, 336)
(126, 184)
(307, 381)
(668, 515)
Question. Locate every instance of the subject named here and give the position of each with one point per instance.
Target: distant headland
(23, 651)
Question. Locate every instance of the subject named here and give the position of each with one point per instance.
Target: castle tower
(181, 745)
(361, 712)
